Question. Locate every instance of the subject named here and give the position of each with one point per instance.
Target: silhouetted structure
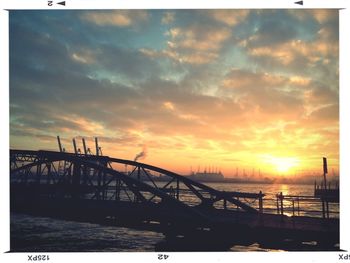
(89, 188)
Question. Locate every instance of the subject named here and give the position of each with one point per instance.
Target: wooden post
(138, 178)
(293, 206)
(104, 192)
(225, 204)
(325, 171)
(38, 173)
(138, 173)
(117, 190)
(48, 165)
(76, 180)
(281, 197)
(99, 183)
(323, 208)
(26, 172)
(277, 203)
(260, 203)
(177, 188)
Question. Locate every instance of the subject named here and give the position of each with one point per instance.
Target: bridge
(119, 192)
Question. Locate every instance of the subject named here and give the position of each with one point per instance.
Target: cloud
(240, 79)
(44, 50)
(198, 37)
(168, 17)
(289, 97)
(196, 44)
(127, 62)
(294, 40)
(229, 17)
(326, 114)
(322, 16)
(318, 94)
(84, 56)
(272, 31)
(295, 54)
(119, 18)
(207, 85)
(195, 58)
(244, 79)
(262, 93)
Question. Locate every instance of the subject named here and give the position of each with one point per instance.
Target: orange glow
(231, 92)
(283, 164)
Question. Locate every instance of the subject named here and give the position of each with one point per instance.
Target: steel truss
(81, 176)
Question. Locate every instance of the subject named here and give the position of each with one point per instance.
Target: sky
(192, 89)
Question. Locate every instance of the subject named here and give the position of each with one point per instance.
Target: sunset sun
(282, 164)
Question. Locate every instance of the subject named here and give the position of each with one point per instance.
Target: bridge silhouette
(109, 190)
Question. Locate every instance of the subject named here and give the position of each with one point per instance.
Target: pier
(99, 188)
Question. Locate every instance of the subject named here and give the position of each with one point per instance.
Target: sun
(282, 164)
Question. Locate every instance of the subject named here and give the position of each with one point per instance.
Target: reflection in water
(30, 233)
(284, 189)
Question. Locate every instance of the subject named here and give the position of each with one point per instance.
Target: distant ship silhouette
(207, 176)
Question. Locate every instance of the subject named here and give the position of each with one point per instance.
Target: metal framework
(97, 177)
(124, 190)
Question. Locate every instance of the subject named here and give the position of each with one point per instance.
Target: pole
(84, 146)
(323, 208)
(177, 188)
(281, 198)
(325, 171)
(75, 147)
(298, 207)
(96, 143)
(260, 203)
(59, 143)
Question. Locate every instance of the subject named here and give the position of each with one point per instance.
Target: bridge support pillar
(38, 173)
(76, 179)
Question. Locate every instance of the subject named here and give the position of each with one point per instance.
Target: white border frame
(344, 21)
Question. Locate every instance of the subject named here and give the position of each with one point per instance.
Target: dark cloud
(319, 94)
(130, 63)
(273, 31)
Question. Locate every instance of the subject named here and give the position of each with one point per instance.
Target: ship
(205, 176)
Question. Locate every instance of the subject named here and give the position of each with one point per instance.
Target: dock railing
(302, 205)
(284, 205)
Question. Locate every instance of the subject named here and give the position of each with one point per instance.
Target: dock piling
(260, 202)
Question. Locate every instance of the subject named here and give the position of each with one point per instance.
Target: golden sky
(225, 89)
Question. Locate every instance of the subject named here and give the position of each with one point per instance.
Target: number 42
(162, 256)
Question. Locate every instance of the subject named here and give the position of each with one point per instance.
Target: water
(29, 233)
(306, 208)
